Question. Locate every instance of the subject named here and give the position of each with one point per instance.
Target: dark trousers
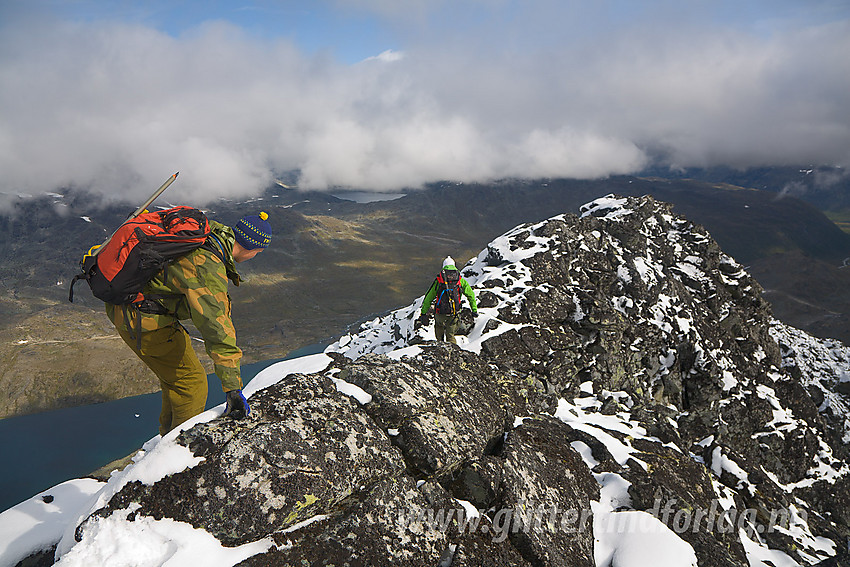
(445, 327)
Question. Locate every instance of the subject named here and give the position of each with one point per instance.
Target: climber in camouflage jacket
(194, 287)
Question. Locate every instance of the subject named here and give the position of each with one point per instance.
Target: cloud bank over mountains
(549, 91)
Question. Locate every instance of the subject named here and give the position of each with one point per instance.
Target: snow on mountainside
(624, 398)
(823, 367)
(675, 254)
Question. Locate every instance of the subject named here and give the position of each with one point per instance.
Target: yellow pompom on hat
(253, 231)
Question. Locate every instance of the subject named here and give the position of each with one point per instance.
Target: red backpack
(138, 251)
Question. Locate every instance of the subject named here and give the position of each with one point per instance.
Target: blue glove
(237, 405)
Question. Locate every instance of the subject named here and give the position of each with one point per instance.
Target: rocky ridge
(624, 388)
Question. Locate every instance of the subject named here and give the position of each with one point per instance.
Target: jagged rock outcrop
(445, 407)
(624, 385)
(306, 449)
(542, 473)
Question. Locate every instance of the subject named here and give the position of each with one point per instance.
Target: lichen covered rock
(306, 449)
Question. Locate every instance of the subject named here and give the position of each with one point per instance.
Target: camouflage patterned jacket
(196, 289)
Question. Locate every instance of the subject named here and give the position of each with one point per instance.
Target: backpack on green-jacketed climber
(448, 292)
(138, 251)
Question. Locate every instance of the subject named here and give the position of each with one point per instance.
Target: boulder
(444, 408)
(546, 494)
(382, 527)
(306, 449)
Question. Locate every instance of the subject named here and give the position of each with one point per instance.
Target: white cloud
(387, 56)
(120, 107)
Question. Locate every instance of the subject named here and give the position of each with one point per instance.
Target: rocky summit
(624, 398)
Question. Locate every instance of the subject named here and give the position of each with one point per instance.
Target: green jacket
(464, 287)
(195, 287)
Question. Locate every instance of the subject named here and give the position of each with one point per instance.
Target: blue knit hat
(253, 231)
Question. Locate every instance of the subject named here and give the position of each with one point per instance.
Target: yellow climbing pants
(182, 378)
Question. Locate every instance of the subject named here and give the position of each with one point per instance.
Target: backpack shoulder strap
(214, 245)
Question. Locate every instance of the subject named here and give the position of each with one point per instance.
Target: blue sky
(349, 33)
(354, 30)
(387, 94)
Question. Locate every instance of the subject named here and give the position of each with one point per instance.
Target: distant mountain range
(335, 263)
(826, 187)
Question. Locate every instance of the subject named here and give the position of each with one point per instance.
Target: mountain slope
(825, 187)
(334, 262)
(625, 394)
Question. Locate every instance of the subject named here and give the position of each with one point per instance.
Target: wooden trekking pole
(88, 263)
(95, 251)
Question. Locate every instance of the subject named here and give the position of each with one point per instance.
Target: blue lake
(41, 450)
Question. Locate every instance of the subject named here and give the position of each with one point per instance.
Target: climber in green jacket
(446, 291)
